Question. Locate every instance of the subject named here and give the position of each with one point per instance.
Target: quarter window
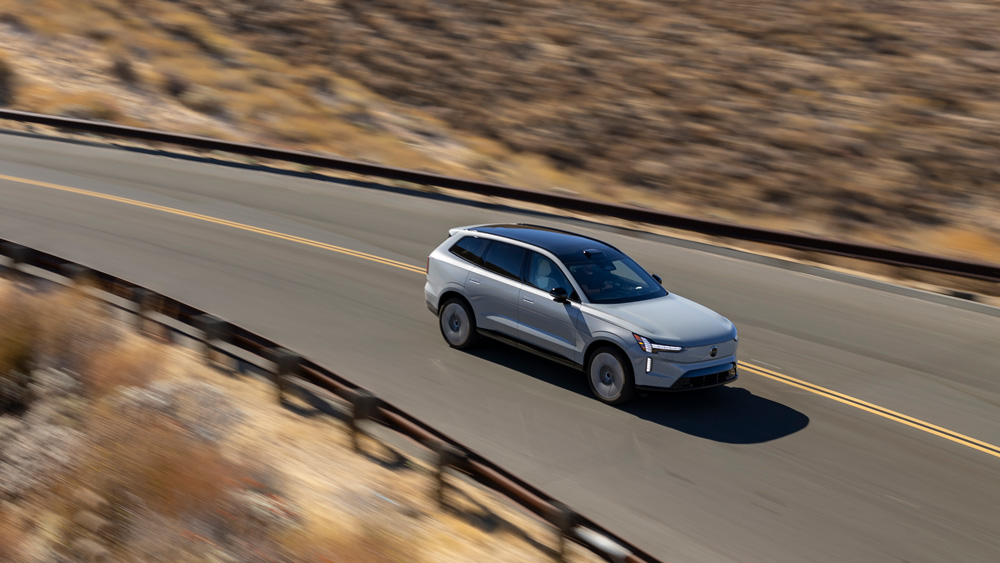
(471, 249)
(504, 259)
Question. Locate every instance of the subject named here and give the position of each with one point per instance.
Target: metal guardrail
(218, 337)
(886, 255)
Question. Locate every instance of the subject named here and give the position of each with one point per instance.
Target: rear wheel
(610, 376)
(458, 324)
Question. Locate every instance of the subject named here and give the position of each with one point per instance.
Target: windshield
(614, 279)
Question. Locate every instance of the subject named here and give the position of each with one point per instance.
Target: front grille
(703, 380)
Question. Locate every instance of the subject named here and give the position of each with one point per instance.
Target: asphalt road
(761, 471)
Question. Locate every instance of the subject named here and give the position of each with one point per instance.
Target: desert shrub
(175, 84)
(19, 335)
(267, 79)
(161, 445)
(71, 327)
(198, 31)
(89, 107)
(146, 459)
(125, 363)
(205, 100)
(156, 457)
(297, 130)
(235, 80)
(7, 82)
(123, 69)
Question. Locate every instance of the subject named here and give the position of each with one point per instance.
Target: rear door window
(471, 249)
(504, 259)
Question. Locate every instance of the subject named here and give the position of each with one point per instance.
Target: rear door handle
(473, 281)
(526, 300)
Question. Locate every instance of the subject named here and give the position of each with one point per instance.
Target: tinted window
(544, 274)
(504, 259)
(471, 249)
(614, 279)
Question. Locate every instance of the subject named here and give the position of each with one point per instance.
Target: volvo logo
(714, 352)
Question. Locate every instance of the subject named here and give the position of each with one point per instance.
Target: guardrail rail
(163, 316)
(882, 254)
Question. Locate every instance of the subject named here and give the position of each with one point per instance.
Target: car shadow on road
(730, 414)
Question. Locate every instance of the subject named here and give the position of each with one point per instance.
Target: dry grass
(19, 333)
(374, 543)
(12, 540)
(126, 363)
(258, 482)
(297, 130)
(205, 100)
(71, 325)
(194, 28)
(67, 329)
(7, 81)
(171, 471)
(92, 105)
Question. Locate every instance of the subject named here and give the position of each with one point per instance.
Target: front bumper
(704, 381)
(664, 375)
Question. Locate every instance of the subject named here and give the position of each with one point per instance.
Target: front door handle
(526, 300)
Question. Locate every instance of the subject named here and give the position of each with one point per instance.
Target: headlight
(651, 347)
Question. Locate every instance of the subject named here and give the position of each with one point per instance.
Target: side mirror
(658, 279)
(559, 295)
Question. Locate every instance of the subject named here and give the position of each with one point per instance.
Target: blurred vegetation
(6, 81)
(873, 120)
(117, 447)
(11, 539)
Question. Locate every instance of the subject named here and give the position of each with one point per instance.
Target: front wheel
(610, 376)
(458, 324)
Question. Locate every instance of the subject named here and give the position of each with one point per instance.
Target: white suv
(579, 301)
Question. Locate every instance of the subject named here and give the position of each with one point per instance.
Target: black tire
(457, 323)
(609, 374)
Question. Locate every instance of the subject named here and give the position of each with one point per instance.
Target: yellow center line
(875, 409)
(233, 224)
(757, 370)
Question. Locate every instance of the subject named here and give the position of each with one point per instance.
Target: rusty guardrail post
(144, 299)
(78, 275)
(287, 364)
(18, 255)
(216, 331)
(364, 407)
(564, 519)
(446, 455)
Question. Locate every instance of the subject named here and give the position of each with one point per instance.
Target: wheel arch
(452, 294)
(601, 342)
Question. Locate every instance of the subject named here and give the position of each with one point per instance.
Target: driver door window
(545, 275)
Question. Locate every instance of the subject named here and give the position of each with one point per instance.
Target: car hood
(671, 319)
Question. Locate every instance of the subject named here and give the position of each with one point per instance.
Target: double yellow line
(756, 370)
(875, 409)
